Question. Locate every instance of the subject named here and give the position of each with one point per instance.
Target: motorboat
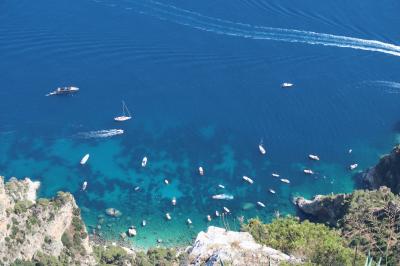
(209, 218)
(259, 203)
(166, 181)
(313, 157)
(63, 91)
(308, 171)
(136, 188)
(285, 180)
(350, 151)
(226, 210)
(353, 166)
(221, 186)
(201, 170)
(287, 85)
(84, 185)
(217, 213)
(144, 161)
(272, 191)
(168, 216)
(262, 149)
(248, 179)
(275, 175)
(144, 223)
(173, 201)
(222, 197)
(189, 222)
(126, 115)
(85, 159)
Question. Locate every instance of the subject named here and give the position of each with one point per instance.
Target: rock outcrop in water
(386, 172)
(31, 228)
(233, 248)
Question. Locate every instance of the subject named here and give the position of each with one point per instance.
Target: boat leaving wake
(225, 27)
(105, 133)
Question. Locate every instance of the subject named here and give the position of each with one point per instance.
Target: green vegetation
(112, 255)
(22, 206)
(317, 243)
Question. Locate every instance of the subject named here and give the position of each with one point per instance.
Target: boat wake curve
(105, 133)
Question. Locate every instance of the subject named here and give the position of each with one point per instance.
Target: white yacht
(313, 157)
(259, 203)
(63, 90)
(285, 180)
(248, 179)
(85, 159)
(168, 216)
(226, 210)
(275, 175)
(221, 186)
(209, 218)
(217, 213)
(272, 191)
(189, 222)
(353, 166)
(173, 201)
(144, 223)
(262, 149)
(308, 171)
(144, 161)
(126, 115)
(166, 181)
(287, 85)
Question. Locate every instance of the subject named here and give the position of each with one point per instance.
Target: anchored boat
(63, 90)
(126, 115)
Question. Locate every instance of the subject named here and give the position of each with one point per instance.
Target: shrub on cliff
(315, 243)
(111, 255)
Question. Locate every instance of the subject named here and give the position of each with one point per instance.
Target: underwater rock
(247, 206)
(113, 212)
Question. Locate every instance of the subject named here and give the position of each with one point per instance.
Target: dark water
(202, 80)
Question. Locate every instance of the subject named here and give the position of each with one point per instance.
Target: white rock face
(233, 248)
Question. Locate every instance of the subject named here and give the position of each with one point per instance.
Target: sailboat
(126, 115)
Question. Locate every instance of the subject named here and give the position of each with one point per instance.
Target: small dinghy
(221, 186)
(217, 213)
(209, 218)
(285, 180)
(168, 216)
(173, 201)
(353, 166)
(262, 149)
(287, 85)
(275, 175)
(144, 223)
(126, 115)
(350, 151)
(136, 188)
(84, 185)
(313, 157)
(85, 159)
(201, 170)
(222, 197)
(248, 179)
(226, 210)
(272, 191)
(166, 181)
(259, 203)
(308, 171)
(189, 222)
(144, 161)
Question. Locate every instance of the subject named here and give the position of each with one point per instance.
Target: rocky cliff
(386, 172)
(31, 228)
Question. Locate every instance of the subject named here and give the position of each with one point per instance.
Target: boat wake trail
(106, 133)
(225, 27)
(389, 86)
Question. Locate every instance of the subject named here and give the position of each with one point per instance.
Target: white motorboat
(201, 170)
(272, 191)
(222, 197)
(285, 180)
(308, 171)
(313, 157)
(166, 181)
(209, 218)
(85, 159)
(226, 210)
(350, 151)
(259, 203)
(189, 222)
(136, 188)
(144, 223)
(248, 179)
(168, 216)
(287, 85)
(126, 115)
(144, 161)
(173, 201)
(353, 166)
(63, 91)
(221, 186)
(217, 213)
(275, 175)
(262, 149)
(84, 185)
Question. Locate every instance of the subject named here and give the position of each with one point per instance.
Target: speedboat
(259, 203)
(226, 210)
(287, 85)
(308, 171)
(144, 161)
(248, 179)
(313, 157)
(168, 216)
(353, 166)
(126, 115)
(201, 170)
(85, 159)
(63, 90)
(221, 186)
(189, 221)
(84, 185)
(222, 197)
(272, 191)
(262, 149)
(285, 180)
(275, 175)
(173, 201)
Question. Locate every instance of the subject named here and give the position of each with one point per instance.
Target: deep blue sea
(202, 80)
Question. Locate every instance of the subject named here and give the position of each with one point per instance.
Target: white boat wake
(387, 86)
(106, 133)
(219, 26)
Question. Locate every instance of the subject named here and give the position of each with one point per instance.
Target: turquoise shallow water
(203, 83)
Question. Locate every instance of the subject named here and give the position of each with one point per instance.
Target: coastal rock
(233, 248)
(385, 173)
(327, 209)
